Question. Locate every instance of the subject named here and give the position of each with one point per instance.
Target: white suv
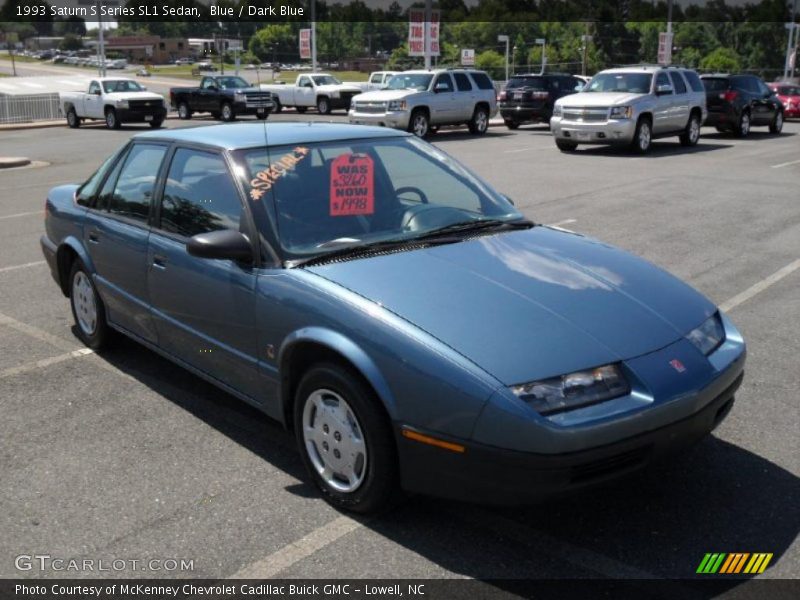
(421, 101)
(632, 106)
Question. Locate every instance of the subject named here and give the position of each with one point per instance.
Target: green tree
(721, 60)
(277, 39)
(71, 42)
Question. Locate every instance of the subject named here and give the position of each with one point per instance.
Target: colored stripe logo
(734, 563)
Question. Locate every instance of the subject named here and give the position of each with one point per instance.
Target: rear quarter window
(694, 81)
(482, 80)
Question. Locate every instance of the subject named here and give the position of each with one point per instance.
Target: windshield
(232, 83)
(536, 83)
(325, 80)
(410, 81)
(633, 83)
(121, 85)
(317, 198)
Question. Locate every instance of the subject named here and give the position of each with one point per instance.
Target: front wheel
(227, 113)
(743, 127)
(691, 134)
(512, 124)
(156, 124)
(323, 106)
(72, 119)
(111, 119)
(777, 123)
(479, 122)
(419, 124)
(566, 145)
(262, 114)
(278, 108)
(642, 137)
(87, 308)
(345, 440)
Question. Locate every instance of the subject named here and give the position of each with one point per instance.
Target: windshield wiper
(476, 225)
(360, 249)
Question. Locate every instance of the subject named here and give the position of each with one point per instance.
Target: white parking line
(760, 286)
(517, 150)
(36, 333)
(46, 362)
(786, 164)
(297, 551)
(25, 266)
(26, 214)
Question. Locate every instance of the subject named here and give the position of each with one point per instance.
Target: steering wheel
(414, 190)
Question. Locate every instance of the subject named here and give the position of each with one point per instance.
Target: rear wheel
(345, 439)
(479, 122)
(72, 119)
(691, 134)
(226, 112)
(743, 126)
(566, 145)
(111, 119)
(642, 137)
(184, 112)
(87, 308)
(323, 106)
(512, 124)
(777, 123)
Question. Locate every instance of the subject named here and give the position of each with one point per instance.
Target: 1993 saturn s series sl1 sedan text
(366, 290)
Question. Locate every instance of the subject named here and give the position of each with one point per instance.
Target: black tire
(323, 105)
(691, 134)
(512, 124)
(184, 112)
(742, 128)
(99, 336)
(301, 109)
(112, 122)
(419, 123)
(479, 123)
(156, 124)
(777, 123)
(379, 487)
(566, 145)
(227, 113)
(643, 136)
(72, 118)
(278, 108)
(262, 115)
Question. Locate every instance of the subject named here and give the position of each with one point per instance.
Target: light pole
(585, 39)
(792, 27)
(314, 36)
(542, 41)
(427, 33)
(506, 39)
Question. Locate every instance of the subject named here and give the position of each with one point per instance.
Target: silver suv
(631, 106)
(421, 101)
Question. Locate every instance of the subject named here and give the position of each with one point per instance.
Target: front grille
(372, 108)
(586, 114)
(258, 99)
(145, 105)
(609, 465)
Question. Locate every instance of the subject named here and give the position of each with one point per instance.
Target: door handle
(94, 238)
(159, 262)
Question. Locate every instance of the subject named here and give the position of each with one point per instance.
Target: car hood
(530, 304)
(598, 99)
(339, 87)
(134, 96)
(386, 95)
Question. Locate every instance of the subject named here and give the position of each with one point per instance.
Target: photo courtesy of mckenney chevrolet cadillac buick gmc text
(372, 294)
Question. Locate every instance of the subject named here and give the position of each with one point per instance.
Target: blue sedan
(410, 326)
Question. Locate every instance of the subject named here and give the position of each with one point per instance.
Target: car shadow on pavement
(753, 135)
(658, 149)
(659, 523)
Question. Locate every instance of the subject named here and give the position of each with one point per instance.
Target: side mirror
(225, 244)
(663, 89)
(144, 88)
(441, 87)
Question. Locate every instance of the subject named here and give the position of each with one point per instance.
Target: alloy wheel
(644, 136)
(334, 440)
(420, 125)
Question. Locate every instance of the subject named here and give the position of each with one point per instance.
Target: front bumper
(136, 115)
(612, 131)
(489, 475)
(249, 108)
(49, 250)
(396, 120)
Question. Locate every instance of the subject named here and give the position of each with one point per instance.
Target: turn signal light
(426, 439)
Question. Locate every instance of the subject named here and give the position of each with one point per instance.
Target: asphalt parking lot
(124, 455)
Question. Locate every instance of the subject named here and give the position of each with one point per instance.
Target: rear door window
(462, 82)
(677, 82)
(199, 195)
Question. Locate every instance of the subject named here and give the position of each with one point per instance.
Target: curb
(15, 161)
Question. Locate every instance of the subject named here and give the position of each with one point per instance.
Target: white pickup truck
(377, 81)
(115, 100)
(320, 90)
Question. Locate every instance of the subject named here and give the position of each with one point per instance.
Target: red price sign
(352, 185)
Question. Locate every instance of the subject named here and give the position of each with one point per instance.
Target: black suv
(530, 97)
(737, 102)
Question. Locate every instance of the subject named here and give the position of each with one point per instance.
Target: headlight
(709, 335)
(557, 110)
(121, 104)
(621, 112)
(239, 97)
(395, 105)
(559, 394)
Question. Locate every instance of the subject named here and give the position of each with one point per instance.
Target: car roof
(233, 136)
